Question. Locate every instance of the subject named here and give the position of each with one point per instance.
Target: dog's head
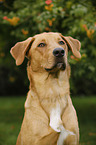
(46, 51)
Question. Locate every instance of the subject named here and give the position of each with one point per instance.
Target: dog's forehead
(47, 36)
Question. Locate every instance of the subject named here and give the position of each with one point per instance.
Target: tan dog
(50, 118)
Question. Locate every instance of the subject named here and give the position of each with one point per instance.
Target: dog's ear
(19, 50)
(74, 45)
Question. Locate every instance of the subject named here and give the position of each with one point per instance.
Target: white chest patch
(55, 118)
(57, 125)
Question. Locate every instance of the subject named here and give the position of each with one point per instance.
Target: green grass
(12, 110)
(86, 111)
(11, 115)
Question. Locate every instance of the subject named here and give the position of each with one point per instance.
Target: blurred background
(20, 19)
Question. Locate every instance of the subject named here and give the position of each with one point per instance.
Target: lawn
(12, 110)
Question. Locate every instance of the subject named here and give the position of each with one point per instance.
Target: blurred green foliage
(20, 19)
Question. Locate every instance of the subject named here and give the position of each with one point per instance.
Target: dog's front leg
(57, 125)
(63, 135)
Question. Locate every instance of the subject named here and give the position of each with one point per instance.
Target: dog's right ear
(20, 49)
(73, 44)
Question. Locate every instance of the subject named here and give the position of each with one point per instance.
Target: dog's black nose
(58, 52)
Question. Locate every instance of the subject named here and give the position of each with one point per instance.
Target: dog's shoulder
(31, 99)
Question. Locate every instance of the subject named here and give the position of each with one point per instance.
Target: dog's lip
(59, 65)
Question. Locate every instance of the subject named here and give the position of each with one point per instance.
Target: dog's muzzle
(59, 60)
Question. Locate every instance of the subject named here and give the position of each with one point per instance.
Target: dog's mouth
(59, 65)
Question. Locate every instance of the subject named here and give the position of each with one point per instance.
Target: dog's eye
(61, 42)
(41, 45)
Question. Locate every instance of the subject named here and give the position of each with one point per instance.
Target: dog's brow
(43, 40)
(59, 38)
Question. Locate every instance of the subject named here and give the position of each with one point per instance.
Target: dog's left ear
(20, 49)
(74, 45)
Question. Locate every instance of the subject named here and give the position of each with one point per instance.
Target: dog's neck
(49, 84)
(48, 87)
(45, 80)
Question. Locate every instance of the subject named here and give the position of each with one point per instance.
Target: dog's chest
(54, 99)
(52, 91)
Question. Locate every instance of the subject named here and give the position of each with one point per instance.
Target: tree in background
(20, 19)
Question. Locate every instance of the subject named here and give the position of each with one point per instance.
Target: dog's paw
(63, 135)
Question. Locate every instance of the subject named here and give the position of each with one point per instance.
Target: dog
(50, 118)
